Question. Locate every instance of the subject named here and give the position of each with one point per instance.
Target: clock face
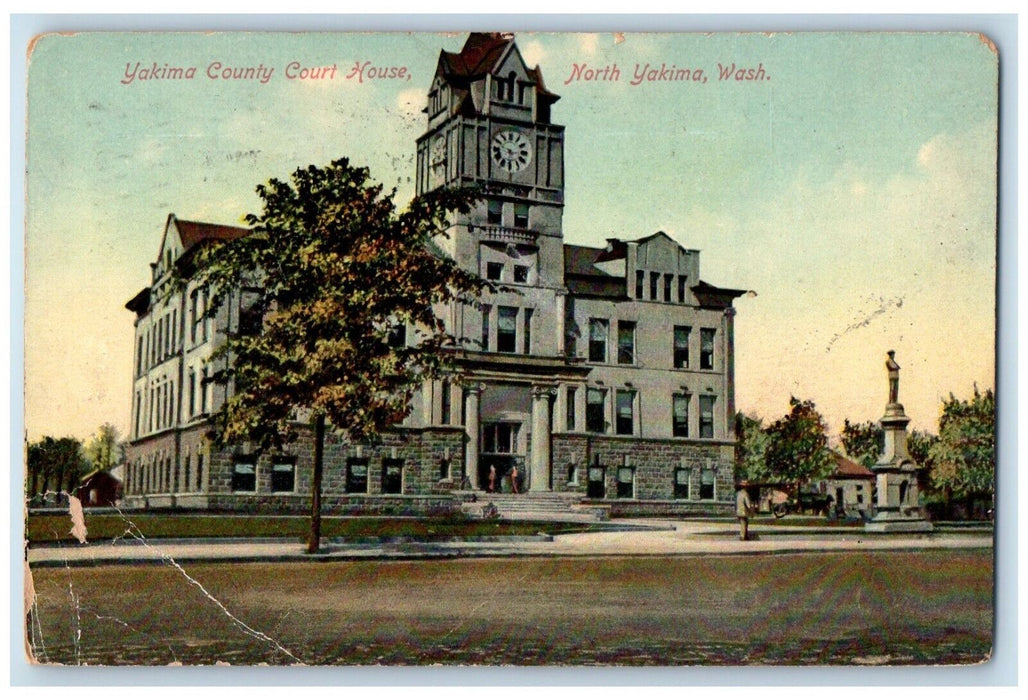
(511, 150)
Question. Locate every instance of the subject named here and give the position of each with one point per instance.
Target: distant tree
(863, 442)
(751, 448)
(103, 449)
(54, 465)
(963, 458)
(329, 271)
(797, 445)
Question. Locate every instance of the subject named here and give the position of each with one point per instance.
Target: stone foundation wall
(654, 463)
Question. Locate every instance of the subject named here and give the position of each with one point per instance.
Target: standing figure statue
(894, 377)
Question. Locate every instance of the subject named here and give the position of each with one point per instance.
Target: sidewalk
(653, 538)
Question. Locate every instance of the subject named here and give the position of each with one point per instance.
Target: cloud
(533, 53)
(411, 102)
(587, 43)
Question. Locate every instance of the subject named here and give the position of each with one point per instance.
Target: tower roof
(482, 53)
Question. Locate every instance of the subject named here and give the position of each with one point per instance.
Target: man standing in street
(742, 509)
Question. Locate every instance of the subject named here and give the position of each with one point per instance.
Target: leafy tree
(964, 456)
(863, 442)
(103, 449)
(54, 465)
(328, 271)
(751, 448)
(797, 445)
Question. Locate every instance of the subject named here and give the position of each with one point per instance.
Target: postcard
(494, 349)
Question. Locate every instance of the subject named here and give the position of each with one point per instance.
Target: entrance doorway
(500, 454)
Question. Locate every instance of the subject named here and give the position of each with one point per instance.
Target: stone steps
(527, 506)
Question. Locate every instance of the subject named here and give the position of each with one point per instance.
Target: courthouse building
(599, 374)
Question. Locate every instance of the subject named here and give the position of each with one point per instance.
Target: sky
(853, 188)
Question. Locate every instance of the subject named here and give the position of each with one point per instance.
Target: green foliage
(54, 465)
(104, 450)
(797, 449)
(919, 445)
(863, 442)
(964, 456)
(750, 449)
(329, 269)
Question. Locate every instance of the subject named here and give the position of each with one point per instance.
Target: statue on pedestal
(894, 377)
(895, 471)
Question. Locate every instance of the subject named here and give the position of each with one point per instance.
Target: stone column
(540, 457)
(472, 393)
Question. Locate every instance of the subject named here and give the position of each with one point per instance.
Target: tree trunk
(314, 542)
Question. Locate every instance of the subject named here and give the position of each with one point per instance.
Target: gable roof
(846, 468)
(482, 53)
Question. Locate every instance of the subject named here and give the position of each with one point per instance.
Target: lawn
(56, 528)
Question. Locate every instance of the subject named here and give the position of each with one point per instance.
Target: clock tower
(489, 127)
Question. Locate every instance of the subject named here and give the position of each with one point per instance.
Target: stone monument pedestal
(895, 472)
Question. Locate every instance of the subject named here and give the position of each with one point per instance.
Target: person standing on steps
(514, 479)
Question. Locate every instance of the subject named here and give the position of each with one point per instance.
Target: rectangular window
(521, 274)
(528, 331)
(626, 342)
(495, 215)
(446, 403)
(199, 471)
(174, 330)
(204, 382)
(626, 482)
(520, 215)
(707, 416)
(392, 475)
(625, 417)
(681, 486)
(681, 350)
(494, 271)
(486, 311)
(507, 329)
(595, 399)
(667, 287)
(139, 356)
(682, 286)
(572, 396)
(680, 415)
(706, 348)
(356, 475)
(500, 438)
(192, 394)
(244, 477)
(283, 477)
(598, 328)
(398, 335)
(707, 484)
(654, 282)
(596, 486)
(194, 316)
(640, 281)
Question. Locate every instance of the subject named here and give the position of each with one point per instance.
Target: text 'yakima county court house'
(601, 375)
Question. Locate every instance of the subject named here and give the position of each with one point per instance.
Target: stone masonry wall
(654, 462)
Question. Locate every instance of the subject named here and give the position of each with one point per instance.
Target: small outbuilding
(851, 487)
(99, 488)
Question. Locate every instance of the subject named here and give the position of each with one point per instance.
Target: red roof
(846, 468)
(480, 55)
